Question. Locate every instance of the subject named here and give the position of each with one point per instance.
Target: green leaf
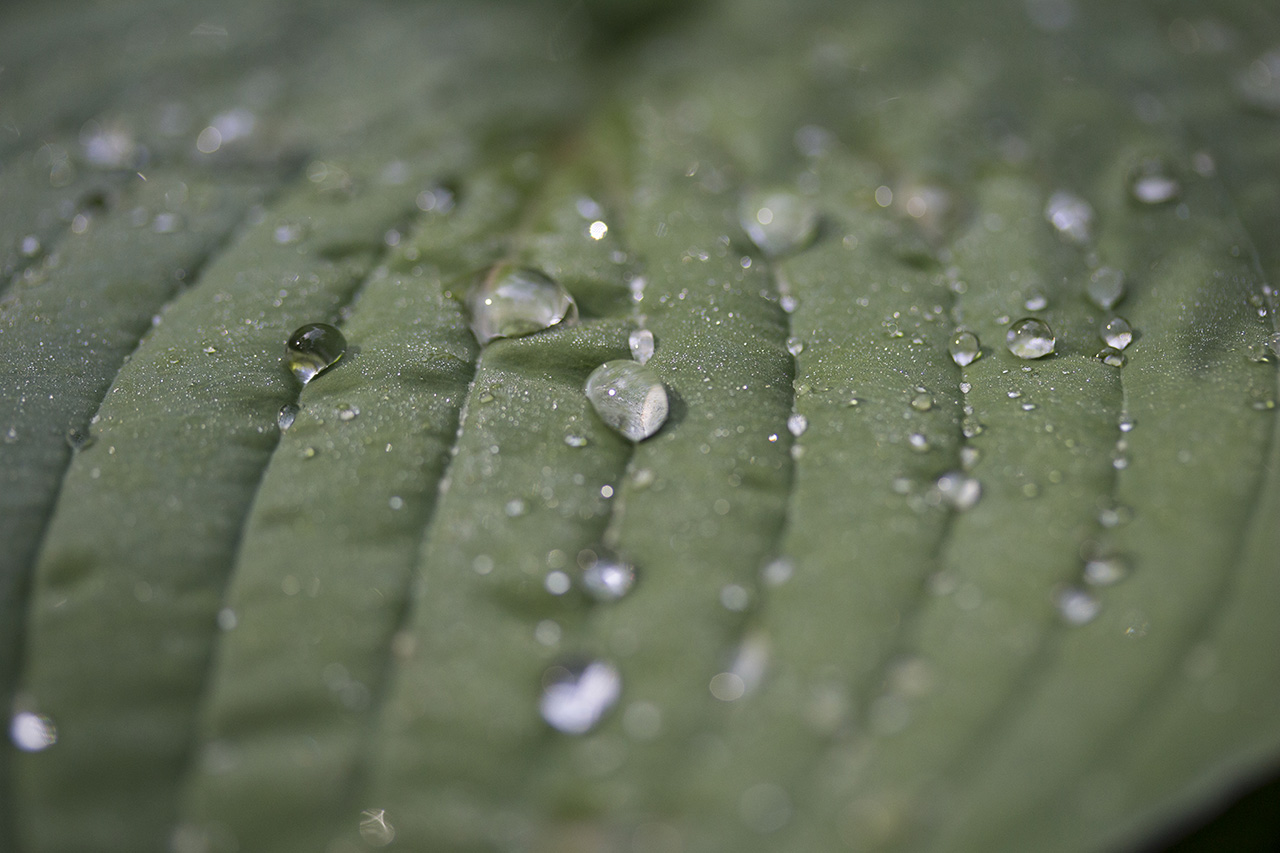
(331, 634)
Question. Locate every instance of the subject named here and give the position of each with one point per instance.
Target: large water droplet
(605, 576)
(314, 348)
(1154, 182)
(512, 301)
(1071, 216)
(641, 343)
(1077, 606)
(1117, 333)
(1030, 338)
(576, 695)
(965, 348)
(958, 490)
(629, 397)
(1106, 287)
(32, 732)
(778, 222)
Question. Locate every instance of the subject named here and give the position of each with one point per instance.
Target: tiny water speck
(313, 349)
(965, 348)
(510, 301)
(1117, 333)
(1071, 216)
(1030, 338)
(576, 695)
(1154, 182)
(641, 343)
(1104, 571)
(629, 397)
(607, 577)
(1077, 606)
(1106, 287)
(778, 222)
(797, 424)
(31, 732)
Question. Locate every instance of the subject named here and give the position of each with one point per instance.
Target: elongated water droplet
(1030, 338)
(1117, 333)
(1112, 357)
(778, 222)
(606, 576)
(1071, 216)
(1154, 182)
(628, 396)
(1104, 571)
(641, 343)
(1106, 287)
(314, 348)
(797, 424)
(958, 490)
(288, 413)
(511, 301)
(1077, 606)
(576, 695)
(32, 732)
(965, 348)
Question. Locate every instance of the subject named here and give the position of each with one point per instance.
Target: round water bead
(628, 396)
(606, 576)
(313, 349)
(1106, 287)
(511, 301)
(778, 222)
(1153, 182)
(1117, 333)
(1030, 338)
(965, 348)
(576, 695)
(641, 343)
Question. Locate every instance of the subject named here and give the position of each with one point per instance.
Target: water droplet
(1030, 338)
(1106, 287)
(735, 598)
(629, 397)
(557, 582)
(1117, 333)
(78, 440)
(32, 732)
(1036, 302)
(374, 828)
(918, 441)
(970, 456)
(778, 571)
(314, 348)
(348, 413)
(958, 490)
(1104, 571)
(605, 576)
(922, 402)
(1076, 606)
(576, 695)
(575, 441)
(797, 424)
(1112, 357)
(30, 245)
(965, 348)
(167, 223)
(1259, 85)
(1071, 216)
(795, 346)
(778, 222)
(727, 686)
(641, 343)
(512, 301)
(1153, 182)
(288, 414)
(289, 233)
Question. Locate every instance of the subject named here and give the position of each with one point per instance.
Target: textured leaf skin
(255, 639)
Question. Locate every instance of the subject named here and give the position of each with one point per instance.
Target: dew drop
(1117, 333)
(1036, 302)
(1071, 216)
(922, 402)
(314, 348)
(575, 441)
(965, 348)
(511, 301)
(958, 490)
(1112, 357)
(1106, 287)
(605, 576)
(288, 414)
(78, 439)
(1104, 571)
(628, 396)
(778, 222)
(576, 695)
(1153, 182)
(778, 571)
(32, 732)
(641, 343)
(1076, 606)
(919, 442)
(1030, 338)
(797, 424)
(795, 346)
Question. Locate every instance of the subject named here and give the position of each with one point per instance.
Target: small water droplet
(797, 424)
(964, 348)
(576, 695)
(918, 441)
(795, 346)
(78, 440)
(958, 490)
(778, 571)
(31, 732)
(628, 396)
(606, 576)
(734, 597)
(557, 582)
(511, 301)
(1106, 287)
(1077, 606)
(375, 829)
(1036, 302)
(1071, 216)
(1117, 333)
(778, 222)
(1153, 182)
(1030, 338)
(1104, 571)
(289, 232)
(1112, 357)
(227, 619)
(1259, 84)
(969, 457)
(288, 414)
(314, 348)
(641, 343)
(348, 413)
(167, 223)
(575, 441)
(922, 402)
(30, 245)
